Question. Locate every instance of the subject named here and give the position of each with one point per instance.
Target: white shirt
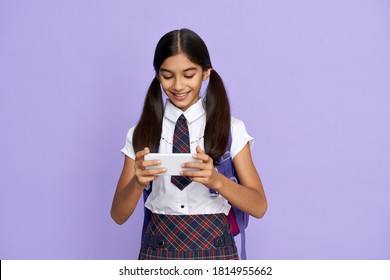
(166, 198)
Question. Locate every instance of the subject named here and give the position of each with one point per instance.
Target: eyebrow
(185, 70)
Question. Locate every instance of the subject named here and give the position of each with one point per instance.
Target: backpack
(237, 218)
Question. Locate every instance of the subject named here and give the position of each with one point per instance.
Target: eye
(167, 77)
(189, 76)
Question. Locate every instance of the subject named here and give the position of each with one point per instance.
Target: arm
(248, 196)
(131, 184)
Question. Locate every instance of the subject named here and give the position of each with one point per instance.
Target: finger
(153, 162)
(203, 157)
(195, 173)
(197, 165)
(199, 150)
(140, 154)
(201, 154)
(200, 180)
(146, 180)
(154, 171)
(151, 172)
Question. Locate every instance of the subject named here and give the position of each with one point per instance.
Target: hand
(207, 175)
(145, 176)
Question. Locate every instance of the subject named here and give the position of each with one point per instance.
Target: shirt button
(182, 206)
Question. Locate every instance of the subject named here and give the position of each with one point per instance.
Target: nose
(178, 85)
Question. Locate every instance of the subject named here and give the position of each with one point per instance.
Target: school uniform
(188, 223)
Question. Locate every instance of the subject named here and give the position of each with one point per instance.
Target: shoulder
(130, 132)
(238, 127)
(129, 135)
(236, 123)
(128, 149)
(240, 136)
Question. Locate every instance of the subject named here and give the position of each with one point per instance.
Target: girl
(187, 222)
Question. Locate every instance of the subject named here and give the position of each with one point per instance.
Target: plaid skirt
(188, 237)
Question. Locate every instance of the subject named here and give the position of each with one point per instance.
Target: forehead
(178, 62)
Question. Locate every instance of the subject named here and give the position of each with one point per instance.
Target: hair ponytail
(147, 133)
(216, 134)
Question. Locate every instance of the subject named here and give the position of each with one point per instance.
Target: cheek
(165, 85)
(197, 84)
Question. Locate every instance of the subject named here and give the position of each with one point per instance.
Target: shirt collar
(194, 112)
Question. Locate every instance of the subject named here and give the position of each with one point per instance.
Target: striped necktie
(181, 144)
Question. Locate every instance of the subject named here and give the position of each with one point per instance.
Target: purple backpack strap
(240, 218)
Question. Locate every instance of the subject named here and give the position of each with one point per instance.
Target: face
(181, 80)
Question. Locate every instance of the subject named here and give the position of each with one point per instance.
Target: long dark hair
(216, 135)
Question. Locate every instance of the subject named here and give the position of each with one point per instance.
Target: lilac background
(309, 78)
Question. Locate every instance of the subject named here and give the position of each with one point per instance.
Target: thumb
(199, 150)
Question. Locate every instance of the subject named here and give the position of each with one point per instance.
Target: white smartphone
(172, 162)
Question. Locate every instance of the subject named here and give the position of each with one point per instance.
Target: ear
(206, 74)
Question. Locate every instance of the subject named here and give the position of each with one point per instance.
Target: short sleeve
(240, 137)
(128, 149)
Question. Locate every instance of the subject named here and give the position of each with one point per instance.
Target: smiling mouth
(180, 94)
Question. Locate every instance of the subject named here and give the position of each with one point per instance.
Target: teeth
(180, 95)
